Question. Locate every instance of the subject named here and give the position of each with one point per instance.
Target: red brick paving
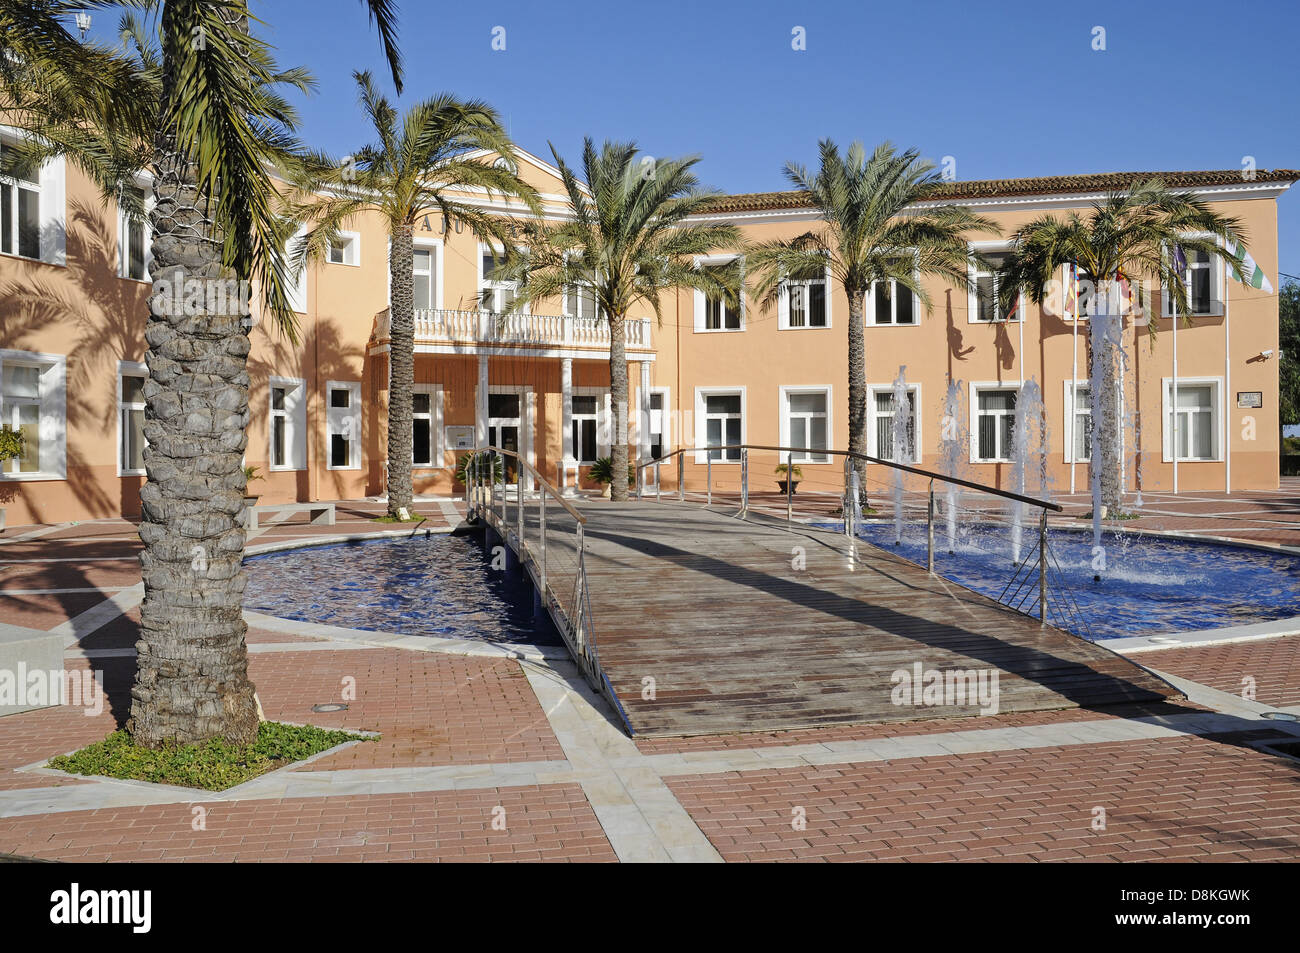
(1274, 664)
(430, 708)
(1189, 799)
(551, 823)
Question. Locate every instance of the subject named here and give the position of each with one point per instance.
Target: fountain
(1029, 449)
(901, 433)
(954, 445)
(1104, 339)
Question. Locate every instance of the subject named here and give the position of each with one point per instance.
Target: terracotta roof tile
(1046, 185)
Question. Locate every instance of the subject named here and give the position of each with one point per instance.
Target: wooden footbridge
(694, 619)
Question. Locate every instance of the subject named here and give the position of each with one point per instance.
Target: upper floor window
(20, 212)
(1202, 282)
(424, 278)
(580, 301)
(496, 295)
(891, 303)
(345, 249)
(134, 236)
(984, 303)
(804, 304)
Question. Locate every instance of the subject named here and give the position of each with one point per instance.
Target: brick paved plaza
(487, 756)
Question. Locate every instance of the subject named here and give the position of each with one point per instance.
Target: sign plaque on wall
(460, 438)
(1250, 398)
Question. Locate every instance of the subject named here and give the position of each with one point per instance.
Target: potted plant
(793, 474)
(466, 464)
(11, 448)
(602, 471)
(250, 497)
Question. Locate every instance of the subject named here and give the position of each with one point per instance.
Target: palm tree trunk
(401, 363)
(858, 389)
(192, 680)
(619, 399)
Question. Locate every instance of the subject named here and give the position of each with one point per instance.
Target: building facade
(74, 292)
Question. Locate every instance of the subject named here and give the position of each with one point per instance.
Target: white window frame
(870, 306)
(496, 287)
(666, 420)
(1071, 415)
(604, 421)
(974, 436)
(52, 419)
(437, 440)
(51, 188)
(351, 250)
(783, 409)
(297, 292)
(1216, 417)
(701, 300)
(913, 395)
(783, 304)
(345, 422)
(144, 182)
(128, 369)
(434, 246)
(295, 429)
(972, 287)
(702, 425)
(1216, 268)
(8, 182)
(572, 294)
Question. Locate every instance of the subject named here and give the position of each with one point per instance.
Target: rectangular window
(805, 304)
(425, 280)
(343, 425)
(722, 425)
(1192, 423)
(423, 426)
(896, 307)
(133, 239)
(657, 446)
(130, 416)
(32, 399)
(995, 417)
(807, 426)
(22, 409)
(20, 213)
(496, 295)
(345, 249)
(718, 314)
(984, 304)
(580, 301)
(585, 418)
(288, 425)
(1081, 424)
(882, 406)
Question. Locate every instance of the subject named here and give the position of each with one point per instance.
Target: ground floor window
(657, 437)
(881, 432)
(1192, 420)
(806, 425)
(288, 424)
(426, 417)
(721, 417)
(32, 400)
(130, 418)
(585, 426)
(343, 424)
(995, 417)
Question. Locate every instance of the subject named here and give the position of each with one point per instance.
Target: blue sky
(1007, 88)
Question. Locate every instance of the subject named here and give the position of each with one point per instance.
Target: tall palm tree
(427, 160)
(629, 241)
(871, 231)
(209, 123)
(1129, 234)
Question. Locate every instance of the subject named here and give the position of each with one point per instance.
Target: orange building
(73, 299)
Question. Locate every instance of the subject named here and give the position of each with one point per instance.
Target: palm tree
(628, 242)
(871, 231)
(426, 160)
(1130, 234)
(209, 123)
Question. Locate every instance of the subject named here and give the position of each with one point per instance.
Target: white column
(566, 417)
(481, 402)
(643, 420)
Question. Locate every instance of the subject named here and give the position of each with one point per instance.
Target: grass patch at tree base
(415, 518)
(211, 766)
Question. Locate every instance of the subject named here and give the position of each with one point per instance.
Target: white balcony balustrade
(523, 330)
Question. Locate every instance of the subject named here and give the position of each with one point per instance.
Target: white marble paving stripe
(97, 616)
(34, 534)
(60, 592)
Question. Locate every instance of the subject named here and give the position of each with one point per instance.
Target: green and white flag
(1245, 269)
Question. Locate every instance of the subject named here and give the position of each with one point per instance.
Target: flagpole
(1123, 464)
(1173, 400)
(1074, 375)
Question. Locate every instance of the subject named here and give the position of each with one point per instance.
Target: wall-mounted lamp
(1266, 354)
(83, 22)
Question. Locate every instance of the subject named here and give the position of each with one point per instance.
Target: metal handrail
(946, 478)
(541, 480)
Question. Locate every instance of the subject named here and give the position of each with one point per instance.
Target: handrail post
(579, 597)
(846, 507)
(519, 503)
(708, 477)
(744, 482)
(1042, 567)
(541, 544)
(929, 529)
(789, 486)
(681, 477)
(658, 484)
(640, 479)
(492, 486)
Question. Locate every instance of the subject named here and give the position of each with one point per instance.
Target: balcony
(468, 331)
